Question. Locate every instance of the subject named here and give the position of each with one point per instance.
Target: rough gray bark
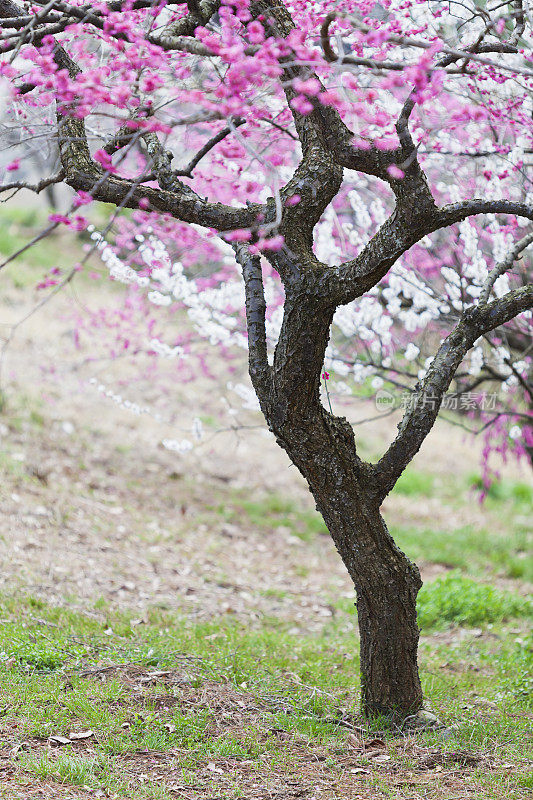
(348, 492)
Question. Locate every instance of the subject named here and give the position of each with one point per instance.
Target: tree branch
(457, 53)
(332, 57)
(126, 135)
(218, 137)
(457, 212)
(317, 178)
(34, 187)
(422, 412)
(376, 64)
(82, 172)
(199, 14)
(260, 371)
(504, 266)
(187, 208)
(408, 224)
(520, 22)
(177, 36)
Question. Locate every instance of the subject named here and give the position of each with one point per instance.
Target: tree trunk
(323, 448)
(386, 582)
(390, 683)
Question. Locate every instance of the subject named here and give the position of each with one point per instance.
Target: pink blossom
(82, 199)
(78, 223)
(395, 172)
(301, 104)
(238, 235)
(104, 159)
(126, 79)
(273, 243)
(46, 283)
(293, 200)
(59, 218)
(256, 32)
(311, 86)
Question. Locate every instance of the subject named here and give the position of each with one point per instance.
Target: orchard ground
(188, 617)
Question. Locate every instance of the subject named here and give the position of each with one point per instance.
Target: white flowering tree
(363, 166)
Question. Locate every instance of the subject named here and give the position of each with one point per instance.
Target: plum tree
(325, 144)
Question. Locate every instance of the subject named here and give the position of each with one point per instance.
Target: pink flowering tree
(364, 163)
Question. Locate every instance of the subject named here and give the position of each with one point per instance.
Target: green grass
(44, 693)
(263, 698)
(471, 549)
(19, 225)
(516, 491)
(65, 767)
(273, 681)
(415, 484)
(455, 598)
(271, 512)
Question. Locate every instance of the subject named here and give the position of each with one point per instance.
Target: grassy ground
(243, 682)
(161, 707)
(182, 627)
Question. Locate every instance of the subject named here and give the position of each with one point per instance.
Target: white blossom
(476, 361)
(177, 445)
(165, 350)
(411, 352)
(246, 394)
(159, 299)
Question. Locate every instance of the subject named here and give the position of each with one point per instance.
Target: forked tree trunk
(348, 492)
